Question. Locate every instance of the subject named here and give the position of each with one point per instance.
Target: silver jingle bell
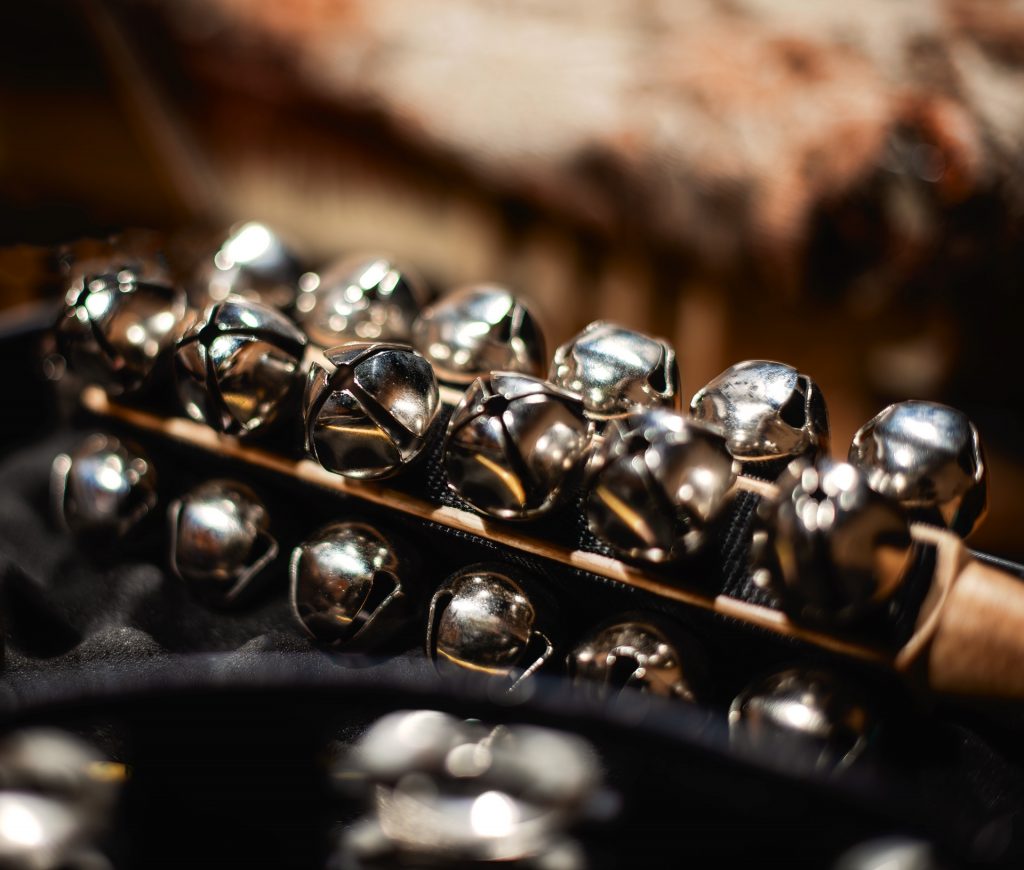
(368, 408)
(656, 484)
(116, 329)
(767, 410)
(928, 457)
(615, 369)
(239, 366)
(102, 488)
(351, 586)
(219, 539)
(252, 262)
(482, 620)
(38, 832)
(361, 298)
(476, 330)
(891, 853)
(802, 715)
(637, 652)
(835, 548)
(513, 444)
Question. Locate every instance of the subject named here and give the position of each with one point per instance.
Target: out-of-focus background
(838, 186)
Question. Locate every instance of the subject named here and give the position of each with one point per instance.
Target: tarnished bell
(614, 369)
(361, 298)
(116, 329)
(513, 444)
(476, 330)
(252, 262)
(802, 715)
(928, 457)
(835, 548)
(103, 487)
(219, 539)
(767, 410)
(238, 367)
(351, 586)
(656, 483)
(637, 652)
(482, 619)
(368, 408)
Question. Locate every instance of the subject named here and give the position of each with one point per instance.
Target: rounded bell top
(839, 548)
(368, 408)
(481, 619)
(615, 369)
(637, 652)
(219, 539)
(360, 298)
(928, 457)
(803, 714)
(767, 410)
(252, 262)
(349, 583)
(476, 330)
(238, 366)
(891, 853)
(116, 328)
(513, 445)
(103, 487)
(656, 484)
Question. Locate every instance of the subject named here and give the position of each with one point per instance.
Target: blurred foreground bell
(238, 367)
(838, 547)
(767, 410)
(615, 369)
(116, 328)
(351, 586)
(656, 484)
(368, 408)
(637, 652)
(803, 716)
(252, 262)
(102, 488)
(361, 298)
(513, 444)
(891, 853)
(481, 619)
(928, 457)
(476, 330)
(219, 539)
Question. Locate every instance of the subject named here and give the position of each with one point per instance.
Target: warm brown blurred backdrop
(838, 187)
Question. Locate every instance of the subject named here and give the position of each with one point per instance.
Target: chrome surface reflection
(767, 410)
(476, 330)
(928, 457)
(360, 298)
(615, 369)
(656, 484)
(513, 445)
(368, 408)
(891, 853)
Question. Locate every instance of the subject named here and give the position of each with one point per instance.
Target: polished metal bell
(891, 853)
(928, 457)
(368, 408)
(361, 298)
(352, 586)
(476, 330)
(239, 366)
(637, 652)
(481, 619)
(513, 445)
(102, 488)
(40, 833)
(616, 369)
(219, 539)
(767, 410)
(116, 329)
(833, 549)
(802, 716)
(656, 484)
(251, 262)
